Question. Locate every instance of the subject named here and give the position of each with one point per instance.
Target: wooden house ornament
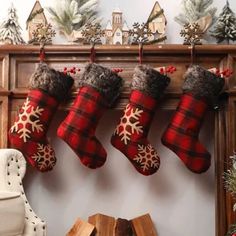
(157, 22)
(117, 31)
(35, 18)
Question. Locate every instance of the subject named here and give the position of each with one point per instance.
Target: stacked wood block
(143, 226)
(103, 225)
(81, 228)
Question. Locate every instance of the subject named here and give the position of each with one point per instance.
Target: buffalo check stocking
(201, 88)
(28, 132)
(182, 133)
(78, 129)
(48, 88)
(130, 136)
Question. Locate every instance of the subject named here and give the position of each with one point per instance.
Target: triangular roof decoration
(156, 5)
(125, 26)
(37, 3)
(115, 29)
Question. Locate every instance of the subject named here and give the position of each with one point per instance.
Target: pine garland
(230, 185)
(225, 29)
(230, 181)
(232, 230)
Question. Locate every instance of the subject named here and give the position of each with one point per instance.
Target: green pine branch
(193, 10)
(72, 15)
(232, 230)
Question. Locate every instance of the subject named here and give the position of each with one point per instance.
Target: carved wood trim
(19, 62)
(220, 154)
(4, 67)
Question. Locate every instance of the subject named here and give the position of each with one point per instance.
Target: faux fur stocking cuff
(202, 83)
(55, 83)
(149, 81)
(104, 80)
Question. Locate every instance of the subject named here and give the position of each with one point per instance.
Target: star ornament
(192, 34)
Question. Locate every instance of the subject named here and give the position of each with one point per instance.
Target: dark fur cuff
(55, 83)
(104, 80)
(149, 81)
(202, 83)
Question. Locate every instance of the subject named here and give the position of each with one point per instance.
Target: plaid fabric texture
(130, 136)
(181, 136)
(28, 133)
(78, 128)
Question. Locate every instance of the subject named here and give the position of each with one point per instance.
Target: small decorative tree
(225, 28)
(193, 10)
(10, 30)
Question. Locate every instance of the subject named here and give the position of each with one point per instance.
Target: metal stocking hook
(92, 34)
(42, 52)
(140, 53)
(92, 53)
(192, 53)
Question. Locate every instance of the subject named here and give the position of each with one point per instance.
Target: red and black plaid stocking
(99, 89)
(130, 136)
(200, 88)
(28, 133)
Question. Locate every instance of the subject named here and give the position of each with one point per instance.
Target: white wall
(181, 203)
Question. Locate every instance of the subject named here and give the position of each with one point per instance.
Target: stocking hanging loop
(140, 53)
(92, 53)
(42, 52)
(192, 47)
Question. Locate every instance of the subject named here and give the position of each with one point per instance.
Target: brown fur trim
(104, 80)
(149, 81)
(202, 83)
(55, 83)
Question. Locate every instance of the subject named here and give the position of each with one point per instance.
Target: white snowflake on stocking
(29, 117)
(147, 157)
(45, 157)
(129, 123)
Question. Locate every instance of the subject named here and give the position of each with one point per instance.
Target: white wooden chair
(12, 171)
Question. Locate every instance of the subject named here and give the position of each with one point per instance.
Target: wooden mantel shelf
(17, 63)
(121, 49)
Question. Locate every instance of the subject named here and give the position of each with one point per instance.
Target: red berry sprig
(169, 69)
(224, 73)
(117, 70)
(227, 73)
(71, 71)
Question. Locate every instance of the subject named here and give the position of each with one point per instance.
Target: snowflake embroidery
(129, 124)
(147, 157)
(28, 116)
(45, 157)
